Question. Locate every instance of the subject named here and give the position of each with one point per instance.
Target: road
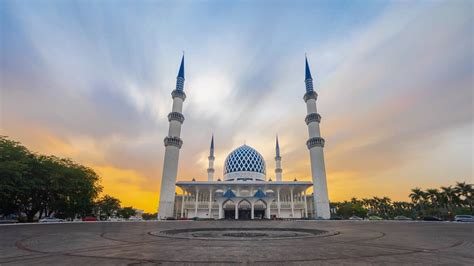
(346, 242)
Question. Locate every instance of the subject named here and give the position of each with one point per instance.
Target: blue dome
(244, 159)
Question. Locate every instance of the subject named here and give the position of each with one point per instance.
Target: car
(375, 218)
(115, 219)
(355, 218)
(432, 218)
(402, 218)
(133, 218)
(50, 220)
(89, 219)
(9, 219)
(464, 218)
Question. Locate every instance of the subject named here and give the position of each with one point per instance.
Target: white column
(210, 203)
(268, 210)
(278, 203)
(292, 204)
(221, 210)
(315, 145)
(183, 199)
(173, 144)
(305, 205)
(252, 215)
(236, 211)
(196, 203)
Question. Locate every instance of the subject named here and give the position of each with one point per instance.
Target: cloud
(93, 83)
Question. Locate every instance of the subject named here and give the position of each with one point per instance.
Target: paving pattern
(237, 242)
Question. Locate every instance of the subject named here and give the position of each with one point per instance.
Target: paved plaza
(234, 242)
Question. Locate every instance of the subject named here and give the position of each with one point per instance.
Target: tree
(466, 194)
(107, 207)
(347, 209)
(418, 198)
(126, 212)
(35, 185)
(15, 178)
(149, 216)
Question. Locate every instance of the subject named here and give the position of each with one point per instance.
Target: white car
(464, 218)
(115, 219)
(51, 220)
(133, 218)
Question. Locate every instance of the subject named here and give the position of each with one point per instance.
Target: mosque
(244, 192)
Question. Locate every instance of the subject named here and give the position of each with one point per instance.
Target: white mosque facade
(244, 192)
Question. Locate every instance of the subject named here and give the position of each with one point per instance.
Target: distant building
(245, 192)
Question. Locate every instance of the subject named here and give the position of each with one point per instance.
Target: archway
(259, 209)
(245, 209)
(229, 209)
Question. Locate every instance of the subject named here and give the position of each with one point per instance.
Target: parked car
(432, 218)
(464, 218)
(402, 218)
(115, 219)
(50, 220)
(133, 218)
(9, 219)
(375, 218)
(89, 219)
(355, 218)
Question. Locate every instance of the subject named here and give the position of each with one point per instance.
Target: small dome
(244, 159)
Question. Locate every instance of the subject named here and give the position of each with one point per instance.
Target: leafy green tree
(126, 212)
(347, 209)
(35, 185)
(149, 216)
(466, 194)
(107, 207)
(15, 178)
(418, 196)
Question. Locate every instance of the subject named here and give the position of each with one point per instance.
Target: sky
(91, 81)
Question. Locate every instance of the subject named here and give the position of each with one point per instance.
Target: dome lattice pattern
(244, 159)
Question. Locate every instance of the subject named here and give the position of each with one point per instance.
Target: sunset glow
(92, 82)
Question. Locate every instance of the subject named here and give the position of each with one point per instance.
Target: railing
(201, 205)
(287, 205)
(283, 205)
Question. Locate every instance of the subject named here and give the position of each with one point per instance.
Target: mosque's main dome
(244, 163)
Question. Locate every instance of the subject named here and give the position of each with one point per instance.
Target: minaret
(315, 145)
(210, 170)
(173, 144)
(278, 169)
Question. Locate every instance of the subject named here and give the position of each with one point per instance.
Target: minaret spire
(173, 144)
(278, 169)
(212, 145)
(277, 147)
(180, 77)
(210, 170)
(308, 78)
(308, 71)
(315, 146)
(181, 68)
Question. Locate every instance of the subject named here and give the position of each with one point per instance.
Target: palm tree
(354, 200)
(418, 197)
(433, 195)
(449, 198)
(465, 191)
(386, 205)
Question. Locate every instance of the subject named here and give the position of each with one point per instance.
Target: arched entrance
(245, 209)
(259, 209)
(229, 209)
